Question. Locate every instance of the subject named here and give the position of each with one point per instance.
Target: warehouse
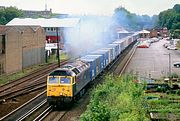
(54, 27)
(20, 47)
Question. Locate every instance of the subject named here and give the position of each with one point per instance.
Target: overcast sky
(99, 7)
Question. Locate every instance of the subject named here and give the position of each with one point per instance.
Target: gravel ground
(11, 105)
(77, 109)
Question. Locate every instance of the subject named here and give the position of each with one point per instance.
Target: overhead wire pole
(58, 57)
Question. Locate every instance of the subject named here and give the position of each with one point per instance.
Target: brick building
(163, 32)
(20, 47)
(154, 33)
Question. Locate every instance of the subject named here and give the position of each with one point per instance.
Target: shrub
(119, 98)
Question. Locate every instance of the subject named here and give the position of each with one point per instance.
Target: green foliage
(131, 21)
(163, 106)
(174, 75)
(9, 13)
(8, 78)
(166, 103)
(117, 99)
(171, 19)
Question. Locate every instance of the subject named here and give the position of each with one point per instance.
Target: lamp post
(169, 55)
(58, 57)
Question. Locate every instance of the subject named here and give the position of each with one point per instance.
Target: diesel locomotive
(68, 82)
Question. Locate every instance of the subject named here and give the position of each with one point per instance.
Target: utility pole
(169, 55)
(58, 57)
(169, 64)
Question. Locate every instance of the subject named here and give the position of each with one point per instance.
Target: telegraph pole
(169, 55)
(58, 57)
(169, 63)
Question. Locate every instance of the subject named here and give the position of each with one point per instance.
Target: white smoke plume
(92, 32)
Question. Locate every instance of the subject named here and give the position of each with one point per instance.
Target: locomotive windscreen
(60, 73)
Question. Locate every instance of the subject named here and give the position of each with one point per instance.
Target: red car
(143, 46)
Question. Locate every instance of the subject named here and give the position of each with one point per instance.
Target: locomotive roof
(78, 64)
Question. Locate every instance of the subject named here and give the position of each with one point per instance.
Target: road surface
(153, 62)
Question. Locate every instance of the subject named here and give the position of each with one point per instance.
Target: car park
(176, 64)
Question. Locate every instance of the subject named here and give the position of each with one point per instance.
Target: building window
(3, 44)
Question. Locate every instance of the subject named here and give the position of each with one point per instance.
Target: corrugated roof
(53, 22)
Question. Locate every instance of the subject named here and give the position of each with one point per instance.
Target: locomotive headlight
(61, 93)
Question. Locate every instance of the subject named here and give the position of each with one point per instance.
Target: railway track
(27, 108)
(36, 80)
(48, 113)
(36, 109)
(43, 114)
(24, 78)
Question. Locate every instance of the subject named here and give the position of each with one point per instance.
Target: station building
(20, 47)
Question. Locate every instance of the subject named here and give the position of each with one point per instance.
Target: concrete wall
(24, 47)
(13, 51)
(33, 49)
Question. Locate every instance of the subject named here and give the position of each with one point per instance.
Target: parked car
(172, 47)
(166, 45)
(176, 64)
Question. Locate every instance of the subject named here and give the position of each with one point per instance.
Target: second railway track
(30, 81)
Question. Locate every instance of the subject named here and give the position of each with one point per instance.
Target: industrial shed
(50, 26)
(20, 47)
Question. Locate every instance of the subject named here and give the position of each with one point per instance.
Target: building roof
(5, 29)
(144, 32)
(53, 22)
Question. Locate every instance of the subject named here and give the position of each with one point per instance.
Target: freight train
(69, 82)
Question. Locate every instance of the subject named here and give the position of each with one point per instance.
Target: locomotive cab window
(53, 80)
(65, 80)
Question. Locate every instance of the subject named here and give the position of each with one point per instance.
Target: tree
(8, 14)
(130, 21)
(171, 19)
(118, 99)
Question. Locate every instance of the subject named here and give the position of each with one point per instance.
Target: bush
(118, 98)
